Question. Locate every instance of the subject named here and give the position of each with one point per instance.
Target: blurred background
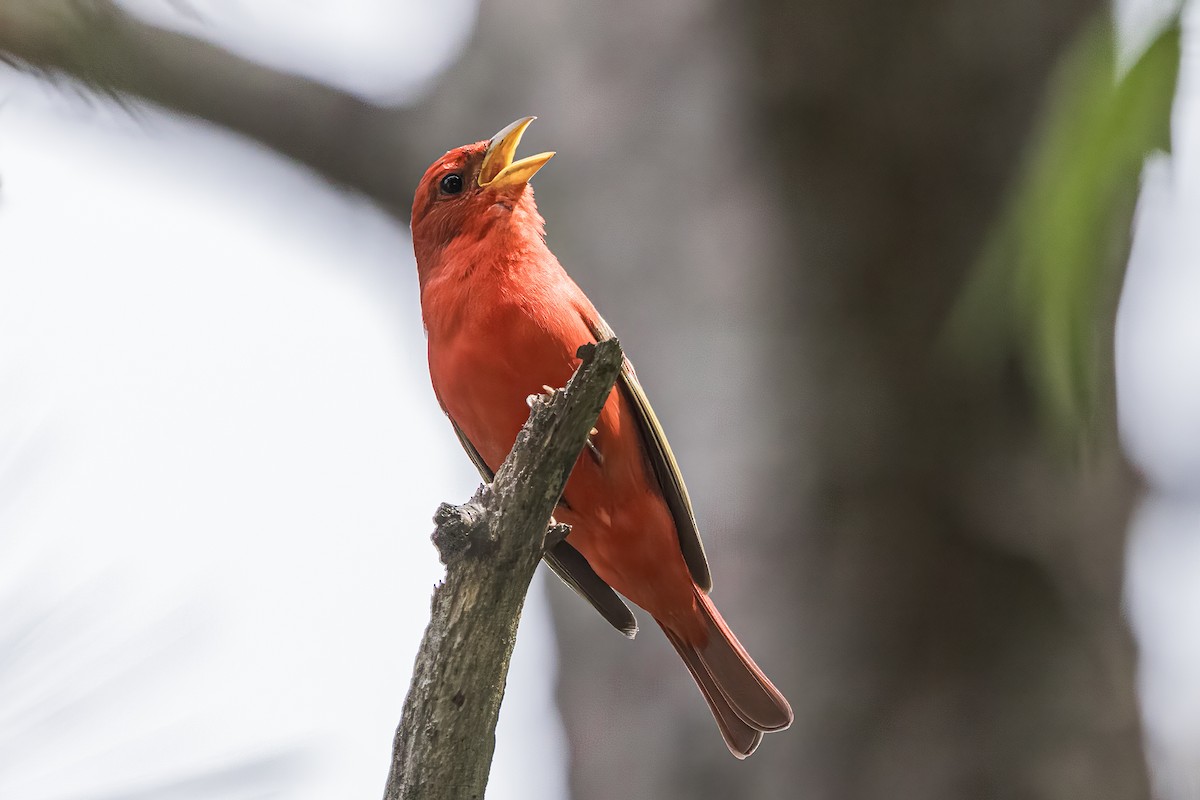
(913, 287)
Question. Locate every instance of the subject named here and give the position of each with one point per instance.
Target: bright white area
(385, 50)
(1158, 394)
(219, 456)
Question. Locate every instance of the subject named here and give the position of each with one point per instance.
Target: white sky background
(383, 50)
(214, 397)
(219, 450)
(1158, 398)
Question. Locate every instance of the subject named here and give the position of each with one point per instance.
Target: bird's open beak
(499, 171)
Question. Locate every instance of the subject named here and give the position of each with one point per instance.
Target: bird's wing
(663, 462)
(574, 570)
(569, 564)
(485, 471)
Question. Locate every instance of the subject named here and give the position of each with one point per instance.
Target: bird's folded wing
(569, 564)
(663, 461)
(485, 471)
(574, 570)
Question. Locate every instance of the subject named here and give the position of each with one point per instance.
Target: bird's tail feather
(742, 699)
(740, 738)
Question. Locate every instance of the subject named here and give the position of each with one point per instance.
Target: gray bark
(491, 547)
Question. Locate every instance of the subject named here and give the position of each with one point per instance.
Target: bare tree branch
(347, 140)
(491, 547)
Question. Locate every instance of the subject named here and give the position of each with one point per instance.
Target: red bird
(504, 321)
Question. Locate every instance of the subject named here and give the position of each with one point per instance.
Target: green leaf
(1045, 286)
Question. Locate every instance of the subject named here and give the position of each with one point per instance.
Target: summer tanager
(504, 321)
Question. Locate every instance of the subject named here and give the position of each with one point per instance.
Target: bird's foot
(548, 391)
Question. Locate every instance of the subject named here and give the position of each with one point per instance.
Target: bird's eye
(452, 183)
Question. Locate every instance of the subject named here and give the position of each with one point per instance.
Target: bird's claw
(547, 391)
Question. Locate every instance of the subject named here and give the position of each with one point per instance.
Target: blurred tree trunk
(805, 185)
(959, 628)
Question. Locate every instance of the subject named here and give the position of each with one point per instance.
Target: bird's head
(471, 189)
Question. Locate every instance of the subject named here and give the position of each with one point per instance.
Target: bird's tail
(743, 700)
